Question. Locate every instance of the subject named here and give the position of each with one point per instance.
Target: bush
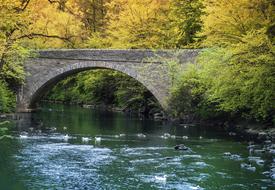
(7, 98)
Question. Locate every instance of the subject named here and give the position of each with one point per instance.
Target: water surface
(56, 149)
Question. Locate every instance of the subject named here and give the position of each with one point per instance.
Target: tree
(186, 22)
(137, 24)
(242, 69)
(226, 21)
(20, 22)
(234, 76)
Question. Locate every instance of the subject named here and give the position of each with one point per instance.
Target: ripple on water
(63, 164)
(200, 165)
(171, 182)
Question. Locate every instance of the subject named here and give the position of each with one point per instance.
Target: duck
(97, 139)
(53, 129)
(227, 154)
(181, 147)
(173, 136)
(66, 137)
(85, 139)
(122, 135)
(23, 136)
(163, 137)
(185, 137)
(141, 135)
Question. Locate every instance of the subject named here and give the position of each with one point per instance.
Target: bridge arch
(50, 66)
(40, 87)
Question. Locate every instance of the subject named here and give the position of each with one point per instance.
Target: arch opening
(47, 87)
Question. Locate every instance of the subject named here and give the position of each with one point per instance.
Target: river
(56, 148)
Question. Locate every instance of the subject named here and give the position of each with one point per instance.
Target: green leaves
(103, 87)
(186, 22)
(7, 98)
(234, 76)
(14, 58)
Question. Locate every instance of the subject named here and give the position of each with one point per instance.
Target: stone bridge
(48, 67)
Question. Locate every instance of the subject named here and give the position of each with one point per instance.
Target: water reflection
(75, 148)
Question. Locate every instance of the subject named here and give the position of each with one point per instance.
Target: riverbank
(153, 113)
(6, 124)
(251, 132)
(243, 130)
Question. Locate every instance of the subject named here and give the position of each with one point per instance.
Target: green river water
(56, 149)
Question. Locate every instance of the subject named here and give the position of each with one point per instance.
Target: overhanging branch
(39, 35)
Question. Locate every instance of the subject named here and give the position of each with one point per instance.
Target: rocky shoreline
(245, 131)
(255, 133)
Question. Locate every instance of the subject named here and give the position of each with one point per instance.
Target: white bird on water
(161, 178)
(173, 136)
(141, 135)
(185, 137)
(23, 136)
(66, 137)
(163, 137)
(97, 139)
(85, 139)
(53, 129)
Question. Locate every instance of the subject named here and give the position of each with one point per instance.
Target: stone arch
(40, 83)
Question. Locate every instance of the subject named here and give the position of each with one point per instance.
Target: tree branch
(26, 5)
(23, 6)
(38, 35)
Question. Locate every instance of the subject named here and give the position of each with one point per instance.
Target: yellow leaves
(51, 21)
(228, 20)
(135, 23)
(39, 17)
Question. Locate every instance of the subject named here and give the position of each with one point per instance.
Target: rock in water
(248, 167)
(181, 147)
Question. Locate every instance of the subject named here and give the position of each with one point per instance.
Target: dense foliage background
(105, 88)
(233, 78)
